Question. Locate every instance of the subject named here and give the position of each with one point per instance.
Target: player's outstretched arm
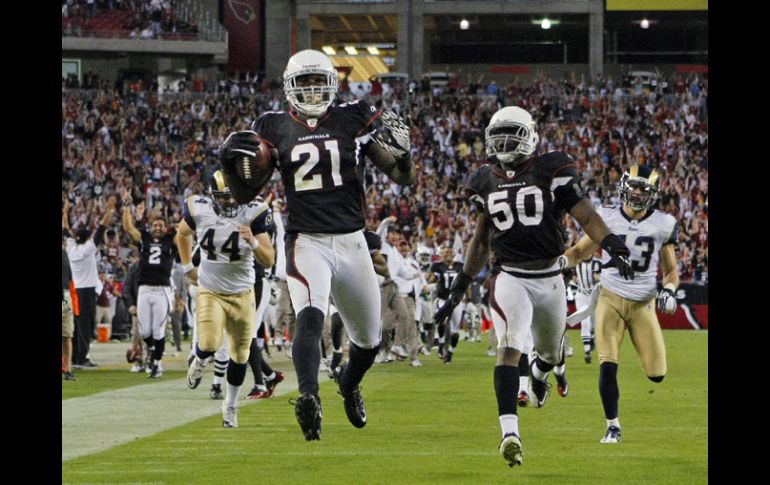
(478, 248)
(400, 170)
(128, 219)
(595, 227)
(581, 251)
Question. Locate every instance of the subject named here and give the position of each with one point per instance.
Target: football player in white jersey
(230, 237)
(651, 236)
(586, 278)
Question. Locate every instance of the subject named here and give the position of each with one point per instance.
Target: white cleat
(229, 415)
(510, 448)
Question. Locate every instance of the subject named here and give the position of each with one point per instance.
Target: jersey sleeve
(473, 189)
(565, 182)
(187, 212)
(362, 117)
(263, 221)
(674, 234)
(266, 127)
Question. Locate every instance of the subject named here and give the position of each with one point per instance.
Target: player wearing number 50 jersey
(321, 150)
(520, 200)
(651, 235)
(230, 237)
(155, 300)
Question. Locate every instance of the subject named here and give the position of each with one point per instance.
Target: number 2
(154, 255)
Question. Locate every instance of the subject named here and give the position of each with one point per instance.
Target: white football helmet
(312, 101)
(424, 257)
(511, 135)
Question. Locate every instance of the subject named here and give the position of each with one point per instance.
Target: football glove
(239, 143)
(459, 285)
(667, 299)
(393, 135)
(618, 256)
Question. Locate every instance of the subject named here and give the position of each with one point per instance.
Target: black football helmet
(642, 177)
(224, 203)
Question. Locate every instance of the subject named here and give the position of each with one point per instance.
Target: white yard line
(95, 423)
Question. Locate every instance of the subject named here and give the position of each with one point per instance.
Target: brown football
(255, 170)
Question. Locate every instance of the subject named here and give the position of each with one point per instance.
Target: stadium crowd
(162, 147)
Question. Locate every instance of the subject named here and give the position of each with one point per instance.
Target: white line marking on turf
(95, 423)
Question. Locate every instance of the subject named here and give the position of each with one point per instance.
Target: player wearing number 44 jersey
(155, 301)
(320, 151)
(230, 236)
(520, 200)
(651, 235)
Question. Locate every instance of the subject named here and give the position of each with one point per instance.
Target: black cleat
(216, 392)
(588, 357)
(353, 401)
(539, 388)
(307, 408)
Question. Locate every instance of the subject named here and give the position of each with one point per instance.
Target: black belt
(531, 276)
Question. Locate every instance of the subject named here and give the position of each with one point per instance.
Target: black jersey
(156, 259)
(526, 206)
(446, 275)
(321, 162)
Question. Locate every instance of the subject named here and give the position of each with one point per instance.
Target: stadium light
(645, 24)
(545, 24)
(464, 24)
(351, 50)
(373, 50)
(329, 50)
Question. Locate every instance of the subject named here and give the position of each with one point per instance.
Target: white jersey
(644, 238)
(227, 260)
(587, 274)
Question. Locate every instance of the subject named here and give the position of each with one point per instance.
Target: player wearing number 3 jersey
(651, 235)
(520, 201)
(321, 150)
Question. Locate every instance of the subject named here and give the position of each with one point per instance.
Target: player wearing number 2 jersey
(520, 201)
(155, 300)
(651, 235)
(321, 150)
(230, 237)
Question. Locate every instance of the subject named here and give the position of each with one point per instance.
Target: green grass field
(435, 424)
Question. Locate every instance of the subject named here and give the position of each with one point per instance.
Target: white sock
(537, 373)
(613, 422)
(524, 384)
(232, 395)
(587, 348)
(270, 377)
(559, 369)
(509, 423)
(217, 381)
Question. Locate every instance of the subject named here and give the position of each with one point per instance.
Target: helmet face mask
(423, 257)
(511, 136)
(638, 188)
(223, 201)
(310, 82)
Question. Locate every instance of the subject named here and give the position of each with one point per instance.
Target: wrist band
(254, 244)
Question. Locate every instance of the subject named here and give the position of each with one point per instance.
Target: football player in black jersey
(320, 152)
(520, 200)
(443, 274)
(155, 300)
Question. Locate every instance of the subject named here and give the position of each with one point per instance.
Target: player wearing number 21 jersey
(321, 150)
